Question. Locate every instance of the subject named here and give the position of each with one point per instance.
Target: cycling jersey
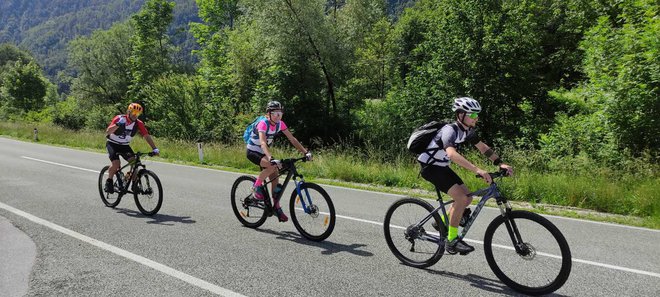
(450, 135)
(123, 135)
(254, 144)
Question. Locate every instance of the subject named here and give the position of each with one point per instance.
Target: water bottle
(466, 217)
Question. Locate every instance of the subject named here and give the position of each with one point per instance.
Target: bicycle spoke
(248, 210)
(539, 264)
(415, 245)
(316, 219)
(148, 193)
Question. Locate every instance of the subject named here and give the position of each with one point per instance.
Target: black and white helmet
(466, 104)
(274, 105)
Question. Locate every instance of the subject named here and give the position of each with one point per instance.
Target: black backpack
(420, 138)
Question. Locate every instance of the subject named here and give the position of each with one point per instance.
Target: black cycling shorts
(116, 150)
(443, 178)
(255, 157)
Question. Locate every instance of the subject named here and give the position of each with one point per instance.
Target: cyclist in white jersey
(259, 154)
(442, 150)
(119, 134)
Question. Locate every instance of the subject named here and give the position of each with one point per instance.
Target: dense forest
(558, 79)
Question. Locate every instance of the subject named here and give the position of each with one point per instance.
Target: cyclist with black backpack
(441, 150)
(259, 136)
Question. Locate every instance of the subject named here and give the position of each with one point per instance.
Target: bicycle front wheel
(318, 220)
(249, 211)
(413, 244)
(110, 200)
(148, 192)
(539, 263)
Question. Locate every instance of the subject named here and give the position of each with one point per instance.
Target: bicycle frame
(486, 194)
(292, 173)
(134, 165)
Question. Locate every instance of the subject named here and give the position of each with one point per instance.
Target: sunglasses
(473, 115)
(277, 113)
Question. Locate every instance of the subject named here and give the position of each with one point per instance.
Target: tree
(623, 66)
(101, 65)
(151, 47)
(24, 86)
(9, 53)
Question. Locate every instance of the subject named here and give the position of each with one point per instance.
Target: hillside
(45, 26)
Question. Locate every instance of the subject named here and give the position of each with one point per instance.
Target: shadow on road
(483, 283)
(160, 219)
(328, 247)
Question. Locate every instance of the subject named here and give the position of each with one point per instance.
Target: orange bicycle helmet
(135, 109)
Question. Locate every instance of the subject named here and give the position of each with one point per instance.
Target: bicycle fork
(306, 200)
(512, 228)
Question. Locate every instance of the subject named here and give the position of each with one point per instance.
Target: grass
(626, 199)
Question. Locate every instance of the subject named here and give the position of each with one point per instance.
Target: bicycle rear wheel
(148, 192)
(412, 244)
(318, 222)
(249, 211)
(111, 200)
(542, 264)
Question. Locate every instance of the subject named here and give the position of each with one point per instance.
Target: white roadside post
(200, 152)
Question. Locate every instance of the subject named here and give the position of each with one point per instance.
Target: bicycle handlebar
(503, 172)
(288, 162)
(140, 154)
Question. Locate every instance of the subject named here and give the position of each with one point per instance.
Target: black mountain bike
(312, 211)
(525, 250)
(144, 185)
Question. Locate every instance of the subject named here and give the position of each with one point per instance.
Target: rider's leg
(459, 193)
(274, 180)
(268, 169)
(461, 201)
(114, 167)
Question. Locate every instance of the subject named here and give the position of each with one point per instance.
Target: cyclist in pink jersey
(259, 154)
(119, 134)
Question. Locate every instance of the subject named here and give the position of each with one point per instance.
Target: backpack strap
(432, 160)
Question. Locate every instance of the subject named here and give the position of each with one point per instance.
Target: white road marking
(466, 239)
(126, 254)
(511, 248)
(338, 187)
(60, 164)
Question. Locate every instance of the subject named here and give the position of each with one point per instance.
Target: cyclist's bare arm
(111, 129)
(491, 155)
(294, 141)
(150, 141)
(457, 158)
(487, 151)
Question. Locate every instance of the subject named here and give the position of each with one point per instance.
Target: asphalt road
(196, 247)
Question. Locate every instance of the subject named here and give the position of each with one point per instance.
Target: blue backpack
(250, 128)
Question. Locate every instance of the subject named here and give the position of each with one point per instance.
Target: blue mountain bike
(312, 211)
(525, 250)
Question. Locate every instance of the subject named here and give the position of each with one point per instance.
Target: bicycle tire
(143, 193)
(320, 222)
(243, 204)
(110, 200)
(528, 219)
(434, 250)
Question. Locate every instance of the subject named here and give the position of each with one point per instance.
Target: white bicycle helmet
(466, 104)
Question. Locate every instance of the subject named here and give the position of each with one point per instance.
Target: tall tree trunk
(317, 54)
